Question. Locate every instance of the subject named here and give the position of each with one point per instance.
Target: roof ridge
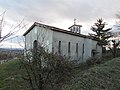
(56, 29)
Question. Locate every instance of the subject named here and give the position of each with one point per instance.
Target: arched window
(35, 44)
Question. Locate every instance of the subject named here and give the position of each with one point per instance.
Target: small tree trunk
(40, 83)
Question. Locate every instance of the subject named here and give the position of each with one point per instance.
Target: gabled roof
(55, 29)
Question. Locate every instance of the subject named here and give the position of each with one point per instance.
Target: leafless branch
(13, 30)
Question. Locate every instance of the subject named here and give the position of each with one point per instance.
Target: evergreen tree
(100, 34)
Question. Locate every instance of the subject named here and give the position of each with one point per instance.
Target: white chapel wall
(65, 39)
(42, 35)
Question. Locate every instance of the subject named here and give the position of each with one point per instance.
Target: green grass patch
(100, 77)
(10, 77)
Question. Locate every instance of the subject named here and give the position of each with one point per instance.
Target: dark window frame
(76, 47)
(69, 47)
(83, 48)
(35, 44)
(59, 47)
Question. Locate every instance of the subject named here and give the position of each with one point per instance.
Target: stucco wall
(42, 35)
(87, 48)
(50, 40)
(83, 43)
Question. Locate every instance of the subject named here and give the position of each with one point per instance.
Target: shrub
(47, 71)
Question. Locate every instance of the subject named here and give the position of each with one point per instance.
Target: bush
(98, 60)
(47, 71)
(93, 61)
(5, 56)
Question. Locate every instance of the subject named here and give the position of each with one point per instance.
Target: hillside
(100, 77)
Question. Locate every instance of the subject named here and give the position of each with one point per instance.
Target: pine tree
(100, 34)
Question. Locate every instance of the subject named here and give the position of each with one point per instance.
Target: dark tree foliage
(114, 48)
(100, 33)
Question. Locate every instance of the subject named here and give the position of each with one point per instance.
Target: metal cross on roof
(74, 21)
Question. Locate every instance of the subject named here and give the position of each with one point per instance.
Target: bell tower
(75, 28)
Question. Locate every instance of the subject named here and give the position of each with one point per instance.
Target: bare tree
(114, 47)
(115, 44)
(13, 30)
(46, 70)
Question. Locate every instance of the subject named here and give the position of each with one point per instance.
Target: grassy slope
(10, 78)
(101, 77)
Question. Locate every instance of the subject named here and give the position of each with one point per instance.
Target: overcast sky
(61, 13)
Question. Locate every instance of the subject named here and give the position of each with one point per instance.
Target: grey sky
(61, 12)
(51, 11)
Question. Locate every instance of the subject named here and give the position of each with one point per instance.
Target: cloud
(60, 13)
(54, 10)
